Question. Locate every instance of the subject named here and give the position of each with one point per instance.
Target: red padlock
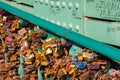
(68, 66)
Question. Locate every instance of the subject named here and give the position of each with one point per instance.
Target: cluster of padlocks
(28, 52)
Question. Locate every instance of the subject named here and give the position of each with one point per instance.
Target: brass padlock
(44, 57)
(22, 31)
(85, 76)
(37, 63)
(26, 77)
(48, 51)
(65, 51)
(28, 51)
(48, 71)
(56, 54)
(72, 70)
(60, 73)
(44, 63)
(45, 45)
(64, 71)
(38, 56)
(80, 57)
(28, 62)
(13, 58)
(15, 24)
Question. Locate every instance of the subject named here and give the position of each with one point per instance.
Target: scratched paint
(114, 27)
(105, 9)
(108, 9)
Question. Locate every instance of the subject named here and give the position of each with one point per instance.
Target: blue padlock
(79, 65)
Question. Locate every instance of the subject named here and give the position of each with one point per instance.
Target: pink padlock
(9, 39)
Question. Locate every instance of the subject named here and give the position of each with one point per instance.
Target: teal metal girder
(79, 39)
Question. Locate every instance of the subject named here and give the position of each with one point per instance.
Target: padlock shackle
(97, 46)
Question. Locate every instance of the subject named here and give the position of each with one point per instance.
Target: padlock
(93, 67)
(22, 31)
(85, 55)
(1, 56)
(80, 57)
(85, 76)
(65, 51)
(31, 56)
(38, 56)
(55, 53)
(13, 58)
(28, 51)
(30, 66)
(1, 31)
(44, 63)
(9, 39)
(68, 66)
(2, 61)
(79, 64)
(26, 77)
(44, 57)
(10, 73)
(82, 71)
(45, 45)
(48, 71)
(72, 70)
(60, 73)
(49, 51)
(90, 55)
(28, 62)
(75, 73)
(51, 61)
(1, 50)
(101, 62)
(34, 75)
(27, 71)
(64, 71)
(32, 78)
(58, 61)
(16, 78)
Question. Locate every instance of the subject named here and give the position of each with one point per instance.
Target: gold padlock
(75, 73)
(65, 51)
(1, 31)
(45, 45)
(72, 70)
(37, 63)
(80, 57)
(32, 47)
(48, 72)
(60, 73)
(44, 63)
(29, 51)
(64, 71)
(15, 24)
(38, 56)
(85, 54)
(25, 37)
(13, 58)
(49, 51)
(55, 53)
(28, 62)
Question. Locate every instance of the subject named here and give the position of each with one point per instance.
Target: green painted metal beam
(103, 49)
